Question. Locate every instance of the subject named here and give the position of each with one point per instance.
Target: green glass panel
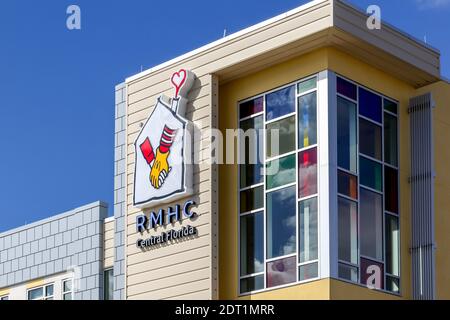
(307, 85)
(280, 137)
(371, 175)
(280, 172)
(390, 106)
(390, 139)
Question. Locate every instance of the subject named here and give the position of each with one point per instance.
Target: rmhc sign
(161, 149)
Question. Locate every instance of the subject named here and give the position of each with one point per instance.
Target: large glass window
(346, 130)
(108, 290)
(348, 231)
(252, 240)
(278, 205)
(308, 241)
(67, 289)
(41, 293)
(368, 188)
(371, 227)
(251, 170)
(281, 222)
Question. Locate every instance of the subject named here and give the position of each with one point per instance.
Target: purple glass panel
(370, 105)
(372, 274)
(250, 107)
(346, 88)
(391, 185)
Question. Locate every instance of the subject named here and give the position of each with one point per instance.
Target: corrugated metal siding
(422, 197)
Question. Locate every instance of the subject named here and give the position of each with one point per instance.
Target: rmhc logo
(161, 172)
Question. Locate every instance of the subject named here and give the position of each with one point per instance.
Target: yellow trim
(36, 283)
(4, 292)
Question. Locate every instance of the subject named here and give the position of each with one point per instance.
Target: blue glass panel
(370, 105)
(281, 222)
(280, 103)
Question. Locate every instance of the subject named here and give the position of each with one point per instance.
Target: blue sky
(57, 86)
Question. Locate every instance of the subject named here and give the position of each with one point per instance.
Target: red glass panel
(307, 164)
(391, 187)
(372, 274)
(251, 107)
(347, 185)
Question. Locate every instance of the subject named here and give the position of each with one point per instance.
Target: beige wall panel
(157, 263)
(192, 256)
(168, 281)
(177, 291)
(174, 268)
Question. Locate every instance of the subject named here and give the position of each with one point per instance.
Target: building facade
(346, 198)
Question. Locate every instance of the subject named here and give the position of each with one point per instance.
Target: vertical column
(327, 133)
(119, 192)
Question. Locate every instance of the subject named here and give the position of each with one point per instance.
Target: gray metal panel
(119, 192)
(45, 248)
(422, 197)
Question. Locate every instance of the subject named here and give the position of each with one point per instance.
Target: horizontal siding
(178, 291)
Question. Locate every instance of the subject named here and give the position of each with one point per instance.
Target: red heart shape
(178, 79)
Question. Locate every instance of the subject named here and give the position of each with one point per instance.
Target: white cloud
(432, 4)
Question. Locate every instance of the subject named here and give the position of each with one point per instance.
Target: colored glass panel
(346, 88)
(252, 243)
(391, 189)
(281, 272)
(371, 224)
(307, 85)
(348, 230)
(390, 140)
(370, 105)
(251, 107)
(252, 199)
(280, 103)
(347, 184)
(280, 137)
(281, 222)
(307, 120)
(390, 106)
(371, 175)
(307, 172)
(346, 122)
(280, 172)
(308, 239)
(370, 139)
(372, 274)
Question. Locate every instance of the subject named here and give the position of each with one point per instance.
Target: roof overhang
(317, 24)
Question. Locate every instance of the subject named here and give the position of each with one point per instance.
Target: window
(368, 187)
(41, 293)
(67, 289)
(278, 205)
(108, 287)
(346, 130)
